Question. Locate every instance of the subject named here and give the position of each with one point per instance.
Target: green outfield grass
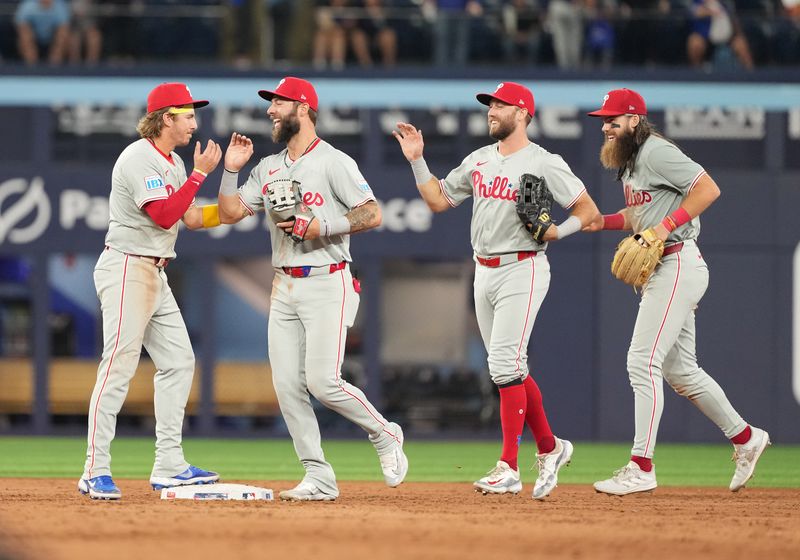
(440, 461)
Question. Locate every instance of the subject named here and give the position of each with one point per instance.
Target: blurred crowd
(568, 34)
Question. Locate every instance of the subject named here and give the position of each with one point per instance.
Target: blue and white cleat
(99, 488)
(192, 475)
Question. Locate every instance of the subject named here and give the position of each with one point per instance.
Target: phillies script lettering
(313, 199)
(636, 198)
(500, 188)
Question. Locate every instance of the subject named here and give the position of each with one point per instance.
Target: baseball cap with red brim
(172, 94)
(294, 89)
(621, 102)
(511, 93)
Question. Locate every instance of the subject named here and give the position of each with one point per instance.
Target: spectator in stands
(600, 35)
(565, 21)
(86, 41)
(373, 31)
(757, 20)
(330, 40)
(714, 25)
(243, 37)
(42, 29)
(522, 25)
(451, 26)
(361, 24)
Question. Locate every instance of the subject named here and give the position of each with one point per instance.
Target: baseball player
(150, 193)
(666, 191)
(512, 273)
(314, 295)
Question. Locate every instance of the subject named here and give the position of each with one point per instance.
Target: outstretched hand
(208, 159)
(410, 139)
(238, 153)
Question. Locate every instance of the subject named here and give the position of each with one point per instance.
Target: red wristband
(676, 219)
(613, 221)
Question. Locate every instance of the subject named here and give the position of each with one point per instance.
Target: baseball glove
(534, 202)
(285, 205)
(283, 196)
(637, 257)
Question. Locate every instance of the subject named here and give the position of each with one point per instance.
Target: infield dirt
(48, 519)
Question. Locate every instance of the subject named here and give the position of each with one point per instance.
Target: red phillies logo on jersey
(170, 190)
(636, 198)
(313, 199)
(499, 189)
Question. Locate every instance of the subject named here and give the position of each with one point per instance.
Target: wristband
(197, 176)
(613, 221)
(568, 227)
(676, 219)
(210, 215)
(229, 186)
(421, 172)
(201, 172)
(334, 226)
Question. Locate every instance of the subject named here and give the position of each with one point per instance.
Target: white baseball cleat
(394, 463)
(500, 480)
(746, 456)
(627, 480)
(306, 492)
(549, 465)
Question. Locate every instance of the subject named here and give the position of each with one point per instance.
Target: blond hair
(151, 125)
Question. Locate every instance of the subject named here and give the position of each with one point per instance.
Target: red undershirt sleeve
(168, 211)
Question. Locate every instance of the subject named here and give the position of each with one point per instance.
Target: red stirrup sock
(644, 463)
(512, 420)
(743, 436)
(536, 418)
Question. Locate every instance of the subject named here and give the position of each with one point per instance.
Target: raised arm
(412, 144)
(231, 209)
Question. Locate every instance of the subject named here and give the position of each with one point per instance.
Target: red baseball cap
(621, 102)
(511, 93)
(174, 94)
(295, 89)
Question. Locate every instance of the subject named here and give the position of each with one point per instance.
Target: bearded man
(512, 272)
(665, 192)
(317, 198)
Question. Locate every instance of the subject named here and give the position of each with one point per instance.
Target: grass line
(274, 459)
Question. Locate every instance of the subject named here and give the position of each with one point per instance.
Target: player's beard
(502, 130)
(615, 153)
(290, 125)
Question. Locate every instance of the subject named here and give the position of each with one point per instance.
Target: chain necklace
(286, 155)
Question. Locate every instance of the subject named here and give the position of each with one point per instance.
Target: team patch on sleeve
(153, 182)
(364, 187)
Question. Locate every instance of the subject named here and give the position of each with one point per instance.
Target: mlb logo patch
(153, 182)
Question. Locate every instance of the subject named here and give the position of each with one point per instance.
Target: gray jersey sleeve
(251, 193)
(457, 186)
(565, 187)
(145, 180)
(347, 182)
(672, 168)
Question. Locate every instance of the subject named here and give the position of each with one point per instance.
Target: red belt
(160, 262)
(508, 258)
(305, 271)
(676, 248)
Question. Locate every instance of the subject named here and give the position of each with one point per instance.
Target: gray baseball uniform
(139, 309)
(663, 342)
(314, 301)
(512, 274)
